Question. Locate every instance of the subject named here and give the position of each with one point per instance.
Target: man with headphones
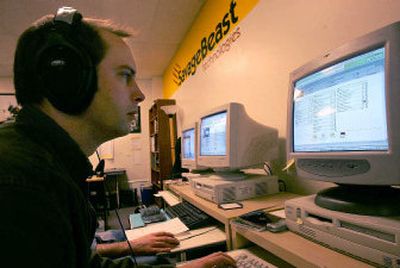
(75, 81)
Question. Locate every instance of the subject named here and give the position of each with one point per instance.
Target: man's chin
(123, 132)
(120, 132)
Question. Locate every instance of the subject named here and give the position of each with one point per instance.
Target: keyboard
(190, 215)
(246, 259)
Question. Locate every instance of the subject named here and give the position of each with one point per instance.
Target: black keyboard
(190, 215)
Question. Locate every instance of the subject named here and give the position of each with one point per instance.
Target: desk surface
(168, 197)
(199, 238)
(95, 179)
(269, 202)
(288, 246)
(115, 171)
(295, 249)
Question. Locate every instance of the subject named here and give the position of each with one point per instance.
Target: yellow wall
(215, 21)
(276, 37)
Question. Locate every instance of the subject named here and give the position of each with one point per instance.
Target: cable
(282, 185)
(98, 155)
(123, 230)
(100, 170)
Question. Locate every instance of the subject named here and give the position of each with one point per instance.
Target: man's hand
(154, 243)
(146, 245)
(215, 260)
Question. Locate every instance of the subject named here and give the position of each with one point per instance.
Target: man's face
(118, 95)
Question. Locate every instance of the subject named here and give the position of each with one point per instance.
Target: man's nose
(137, 95)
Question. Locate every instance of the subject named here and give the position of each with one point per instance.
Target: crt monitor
(188, 146)
(344, 124)
(229, 140)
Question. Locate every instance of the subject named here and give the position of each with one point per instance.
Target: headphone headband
(68, 15)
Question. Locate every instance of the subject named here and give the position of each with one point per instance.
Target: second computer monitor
(188, 145)
(229, 140)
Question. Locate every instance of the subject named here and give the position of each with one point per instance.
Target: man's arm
(151, 244)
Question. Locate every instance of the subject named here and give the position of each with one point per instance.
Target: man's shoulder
(23, 162)
(17, 148)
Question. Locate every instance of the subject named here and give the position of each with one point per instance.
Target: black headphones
(65, 71)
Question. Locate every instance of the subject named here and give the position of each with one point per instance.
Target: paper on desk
(196, 232)
(169, 197)
(199, 238)
(136, 220)
(279, 213)
(174, 226)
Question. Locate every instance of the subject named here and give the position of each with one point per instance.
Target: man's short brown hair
(87, 37)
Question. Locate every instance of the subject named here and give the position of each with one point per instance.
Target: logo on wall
(207, 44)
(222, 48)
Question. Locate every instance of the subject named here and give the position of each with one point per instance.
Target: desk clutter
(245, 259)
(261, 220)
(252, 223)
(174, 226)
(189, 239)
(152, 214)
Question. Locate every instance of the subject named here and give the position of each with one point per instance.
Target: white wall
(277, 37)
(6, 85)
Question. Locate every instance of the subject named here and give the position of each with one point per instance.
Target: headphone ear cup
(67, 78)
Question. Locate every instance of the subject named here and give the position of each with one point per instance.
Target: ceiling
(161, 26)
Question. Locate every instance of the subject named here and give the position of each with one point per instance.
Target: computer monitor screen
(342, 107)
(213, 134)
(343, 123)
(229, 140)
(188, 144)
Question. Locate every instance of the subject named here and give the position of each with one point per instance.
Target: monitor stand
(361, 199)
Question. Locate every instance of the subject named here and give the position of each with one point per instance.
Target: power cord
(282, 185)
(100, 170)
(121, 226)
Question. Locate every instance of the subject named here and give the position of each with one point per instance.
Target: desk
(294, 249)
(97, 196)
(168, 197)
(201, 237)
(99, 192)
(269, 202)
(189, 239)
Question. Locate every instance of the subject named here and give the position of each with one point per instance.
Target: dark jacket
(45, 219)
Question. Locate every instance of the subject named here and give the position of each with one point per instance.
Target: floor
(124, 216)
(112, 219)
